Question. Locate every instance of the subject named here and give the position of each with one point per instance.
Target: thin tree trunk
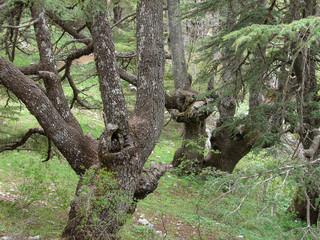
(180, 71)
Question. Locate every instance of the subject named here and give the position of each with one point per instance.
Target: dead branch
(23, 25)
(123, 19)
(270, 10)
(49, 151)
(68, 26)
(23, 140)
(285, 170)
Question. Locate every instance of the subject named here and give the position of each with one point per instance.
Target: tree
(268, 61)
(111, 168)
(192, 112)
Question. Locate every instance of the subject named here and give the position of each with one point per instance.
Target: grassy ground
(35, 195)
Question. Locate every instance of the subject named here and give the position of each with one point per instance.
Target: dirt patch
(171, 225)
(84, 59)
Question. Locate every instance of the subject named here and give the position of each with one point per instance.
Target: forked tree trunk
(230, 143)
(105, 200)
(111, 171)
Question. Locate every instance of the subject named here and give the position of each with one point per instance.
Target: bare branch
(23, 25)
(68, 26)
(308, 208)
(123, 19)
(23, 140)
(49, 151)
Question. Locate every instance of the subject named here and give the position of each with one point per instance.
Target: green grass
(183, 207)
(39, 194)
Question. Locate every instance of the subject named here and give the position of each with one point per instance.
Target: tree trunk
(190, 155)
(229, 141)
(179, 66)
(105, 193)
(117, 12)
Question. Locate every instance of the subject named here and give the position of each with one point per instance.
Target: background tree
(269, 63)
(192, 112)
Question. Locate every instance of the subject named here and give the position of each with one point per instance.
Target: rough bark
(126, 143)
(147, 118)
(78, 149)
(48, 68)
(180, 71)
(230, 143)
(111, 171)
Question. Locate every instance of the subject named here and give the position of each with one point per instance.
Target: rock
(34, 238)
(143, 221)
(5, 238)
(132, 88)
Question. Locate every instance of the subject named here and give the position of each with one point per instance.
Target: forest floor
(35, 196)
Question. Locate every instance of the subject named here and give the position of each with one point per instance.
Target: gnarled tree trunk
(111, 170)
(126, 143)
(190, 155)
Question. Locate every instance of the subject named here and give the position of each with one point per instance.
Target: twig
(242, 200)
(168, 121)
(286, 172)
(283, 182)
(308, 208)
(270, 10)
(164, 226)
(198, 215)
(23, 25)
(123, 19)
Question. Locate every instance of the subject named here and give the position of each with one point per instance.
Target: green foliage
(306, 30)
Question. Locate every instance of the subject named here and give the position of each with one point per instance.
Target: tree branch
(23, 25)
(149, 179)
(23, 140)
(123, 19)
